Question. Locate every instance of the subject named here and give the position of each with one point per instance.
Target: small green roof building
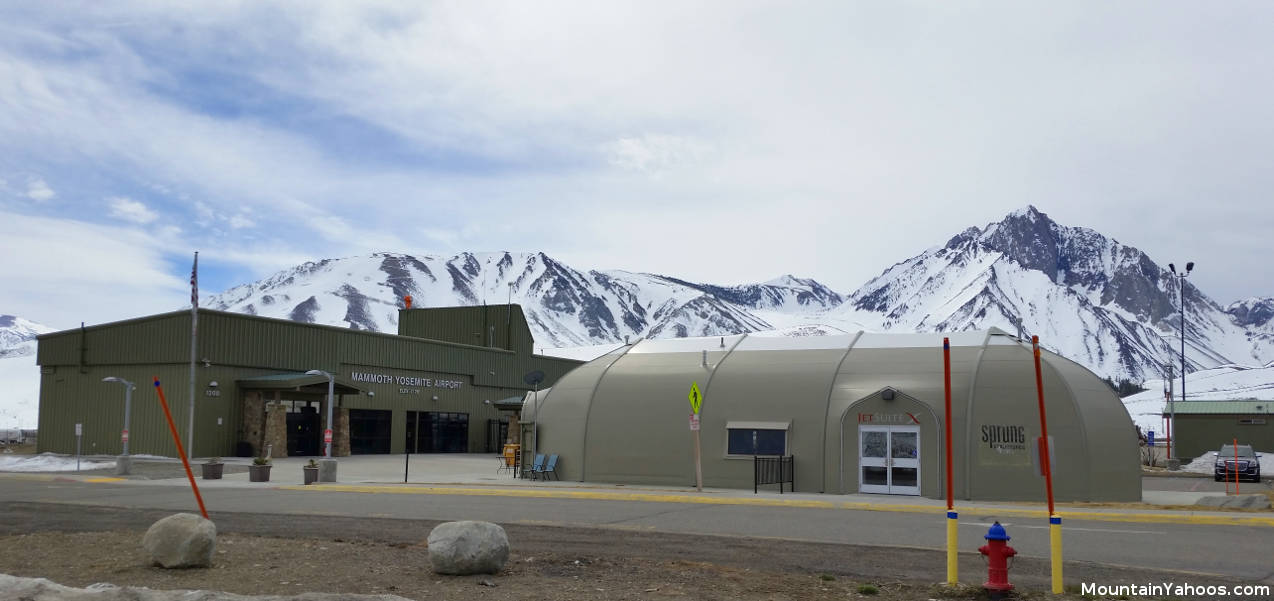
(1204, 425)
(430, 388)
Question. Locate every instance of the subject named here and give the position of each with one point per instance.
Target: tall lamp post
(1172, 414)
(331, 384)
(123, 465)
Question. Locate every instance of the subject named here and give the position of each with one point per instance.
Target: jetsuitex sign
(888, 418)
(409, 381)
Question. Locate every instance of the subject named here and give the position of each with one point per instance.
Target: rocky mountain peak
(1252, 312)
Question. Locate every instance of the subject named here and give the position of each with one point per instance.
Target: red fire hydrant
(997, 552)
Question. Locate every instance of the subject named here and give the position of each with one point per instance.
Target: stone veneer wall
(340, 434)
(252, 428)
(276, 430)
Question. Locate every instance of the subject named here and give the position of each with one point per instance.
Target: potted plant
(311, 472)
(259, 471)
(213, 468)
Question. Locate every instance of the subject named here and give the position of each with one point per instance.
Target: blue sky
(726, 142)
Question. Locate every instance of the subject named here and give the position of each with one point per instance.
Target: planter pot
(213, 471)
(311, 474)
(259, 473)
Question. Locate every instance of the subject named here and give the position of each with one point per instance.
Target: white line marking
(1066, 528)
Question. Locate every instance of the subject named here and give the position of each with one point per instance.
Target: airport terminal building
(858, 413)
(432, 388)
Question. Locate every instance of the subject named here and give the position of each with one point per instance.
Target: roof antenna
(705, 358)
(722, 342)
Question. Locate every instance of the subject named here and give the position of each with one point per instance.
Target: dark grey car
(1247, 464)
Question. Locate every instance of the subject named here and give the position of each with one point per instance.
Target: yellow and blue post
(1055, 544)
(953, 568)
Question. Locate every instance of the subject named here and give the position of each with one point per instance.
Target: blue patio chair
(550, 468)
(538, 466)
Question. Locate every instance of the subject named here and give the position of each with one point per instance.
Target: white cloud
(60, 272)
(128, 209)
(241, 221)
(845, 136)
(653, 153)
(39, 191)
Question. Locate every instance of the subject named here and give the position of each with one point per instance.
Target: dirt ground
(277, 554)
(273, 554)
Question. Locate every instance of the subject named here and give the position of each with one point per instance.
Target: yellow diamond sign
(696, 398)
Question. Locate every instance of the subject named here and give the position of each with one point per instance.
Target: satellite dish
(533, 378)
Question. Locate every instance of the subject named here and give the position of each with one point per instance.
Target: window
(757, 438)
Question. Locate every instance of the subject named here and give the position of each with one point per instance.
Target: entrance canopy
(296, 381)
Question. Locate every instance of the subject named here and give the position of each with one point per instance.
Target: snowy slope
(19, 375)
(15, 331)
(1224, 383)
(20, 380)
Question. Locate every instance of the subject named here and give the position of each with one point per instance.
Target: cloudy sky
(724, 142)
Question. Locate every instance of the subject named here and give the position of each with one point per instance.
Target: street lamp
(1172, 414)
(327, 435)
(124, 465)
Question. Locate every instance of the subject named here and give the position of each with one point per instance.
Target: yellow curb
(104, 479)
(1145, 518)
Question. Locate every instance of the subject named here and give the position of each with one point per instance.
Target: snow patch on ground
(1206, 463)
(48, 462)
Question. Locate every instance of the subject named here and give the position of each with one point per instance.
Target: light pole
(1172, 414)
(327, 435)
(124, 465)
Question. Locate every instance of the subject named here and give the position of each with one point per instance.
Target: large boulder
(468, 548)
(184, 540)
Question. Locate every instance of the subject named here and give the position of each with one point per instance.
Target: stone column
(276, 431)
(252, 422)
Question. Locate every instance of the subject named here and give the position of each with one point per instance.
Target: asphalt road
(1240, 552)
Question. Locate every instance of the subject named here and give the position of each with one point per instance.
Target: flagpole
(194, 329)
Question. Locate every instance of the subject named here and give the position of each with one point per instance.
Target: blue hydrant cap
(997, 533)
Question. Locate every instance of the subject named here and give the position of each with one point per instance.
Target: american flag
(194, 283)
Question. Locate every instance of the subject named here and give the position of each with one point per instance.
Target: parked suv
(1248, 463)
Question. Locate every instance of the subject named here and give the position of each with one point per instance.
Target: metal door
(889, 459)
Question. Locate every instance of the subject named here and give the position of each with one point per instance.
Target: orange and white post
(1054, 520)
(953, 530)
(172, 428)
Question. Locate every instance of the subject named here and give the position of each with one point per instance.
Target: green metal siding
(239, 346)
(1198, 434)
(496, 326)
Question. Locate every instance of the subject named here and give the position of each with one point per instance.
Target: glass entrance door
(889, 459)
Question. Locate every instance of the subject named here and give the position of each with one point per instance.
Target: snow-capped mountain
(1103, 304)
(17, 335)
(564, 306)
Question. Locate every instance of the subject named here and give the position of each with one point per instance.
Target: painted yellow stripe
(544, 493)
(104, 479)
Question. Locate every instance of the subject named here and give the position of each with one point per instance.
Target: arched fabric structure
(829, 401)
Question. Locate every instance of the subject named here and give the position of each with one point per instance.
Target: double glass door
(889, 459)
